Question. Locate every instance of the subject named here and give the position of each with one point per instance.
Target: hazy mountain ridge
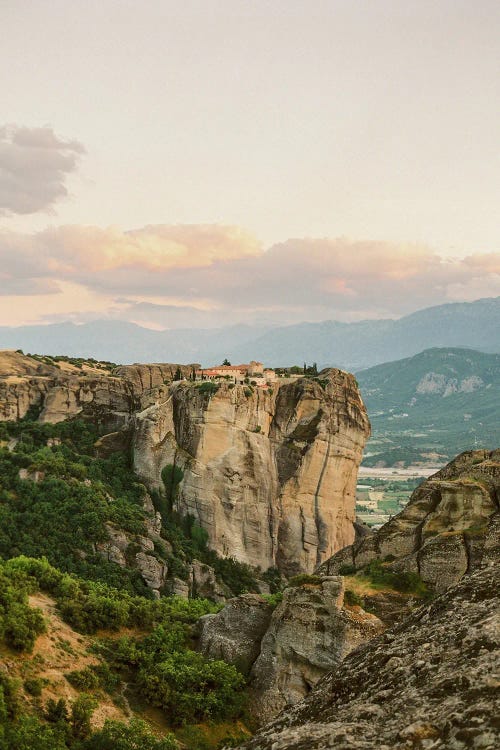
(351, 346)
(439, 402)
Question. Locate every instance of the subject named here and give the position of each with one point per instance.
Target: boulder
(234, 634)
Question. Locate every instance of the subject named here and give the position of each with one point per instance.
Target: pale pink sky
(182, 163)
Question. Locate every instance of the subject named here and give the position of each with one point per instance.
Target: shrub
(273, 578)
(353, 599)
(81, 714)
(347, 570)
(22, 626)
(34, 686)
(400, 580)
(116, 735)
(83, 679)
(274, 599)
(304, 578)
(208, 387)
(191, 688)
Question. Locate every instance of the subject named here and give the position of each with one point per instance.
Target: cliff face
(441, 534)
(270, 475)
(60, 390)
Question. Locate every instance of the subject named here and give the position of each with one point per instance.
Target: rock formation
(309, 634)
(61, 390)
(235, 633)
(286, 651)
(430, 682)
(271, 475)
(441, 533)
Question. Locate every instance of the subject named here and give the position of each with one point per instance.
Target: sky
(206, 162)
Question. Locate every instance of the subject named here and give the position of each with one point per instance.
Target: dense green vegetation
(63, 514)
(56, 501)
(161, 664)
(61, 726)
(431, 406)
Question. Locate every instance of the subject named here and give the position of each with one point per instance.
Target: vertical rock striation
(270, 475)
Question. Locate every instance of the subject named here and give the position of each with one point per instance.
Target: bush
(83, 679)
(274, 579)
(347, 570)
(274, 599)
(353, 599)
(400, 580)
(81, 714)
(34, 686)
(304, 578)
(208, 387)
(22, 625)
(115, 735)
(191, 688)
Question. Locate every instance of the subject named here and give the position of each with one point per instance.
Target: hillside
(350, 346)
(431, 406)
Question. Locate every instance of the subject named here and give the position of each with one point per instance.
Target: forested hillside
(429, 407)
(136, 657)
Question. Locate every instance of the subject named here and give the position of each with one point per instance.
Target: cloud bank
(34, 166)
(191, 275)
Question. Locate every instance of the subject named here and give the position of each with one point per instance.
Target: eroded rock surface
(310, 633)
(270, 474)
(235, 633)
(62, 391)
(441, 533)
(430, 682)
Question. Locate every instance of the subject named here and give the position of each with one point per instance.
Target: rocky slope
(430, 682)
(287, 650)
(442, 531)
(270, 474)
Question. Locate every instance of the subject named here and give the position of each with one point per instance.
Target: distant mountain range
(351, 346)
(432, 406)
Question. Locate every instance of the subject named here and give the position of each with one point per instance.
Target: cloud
(196, 275)
(34, 166)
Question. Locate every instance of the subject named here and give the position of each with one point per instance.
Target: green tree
(81, 713)
(116, 735)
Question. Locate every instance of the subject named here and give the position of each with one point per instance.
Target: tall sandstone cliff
(271, 475)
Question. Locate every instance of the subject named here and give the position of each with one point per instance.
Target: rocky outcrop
(309, 634)
(203, 583)
(441, 533)
(235, 633)
(63, 391)
(430, 682)
(287, 650)
(270, 474)
(146, 377)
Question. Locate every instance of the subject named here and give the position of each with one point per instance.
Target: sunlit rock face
(60, 390)
(443, 532)
(269, 473)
